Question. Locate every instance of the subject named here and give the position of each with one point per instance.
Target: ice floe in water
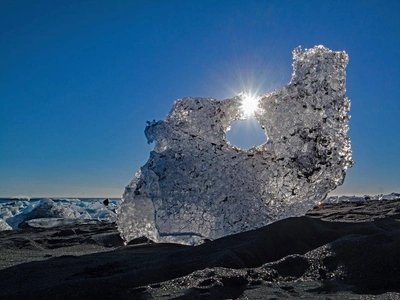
(196, 185)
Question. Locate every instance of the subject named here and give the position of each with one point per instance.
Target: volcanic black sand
(336, 251)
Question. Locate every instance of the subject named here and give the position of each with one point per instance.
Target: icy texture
(340, 199)
(4, 225)
(46, 208)
(16, 212)
(57, 222)
(197, 186)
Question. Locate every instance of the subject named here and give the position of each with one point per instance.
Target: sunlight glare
(249, 104)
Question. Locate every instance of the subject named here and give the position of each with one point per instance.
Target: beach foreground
(336, 251)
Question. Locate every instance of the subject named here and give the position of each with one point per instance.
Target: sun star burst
(249, 104)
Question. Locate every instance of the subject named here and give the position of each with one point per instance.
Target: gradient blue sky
(79, 79)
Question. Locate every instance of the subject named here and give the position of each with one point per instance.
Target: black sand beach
(336, 251)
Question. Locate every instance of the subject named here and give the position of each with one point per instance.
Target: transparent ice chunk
(197, 186)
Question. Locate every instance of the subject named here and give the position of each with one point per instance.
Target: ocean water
(50, 212)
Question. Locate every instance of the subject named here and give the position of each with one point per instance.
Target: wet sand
(336, 251)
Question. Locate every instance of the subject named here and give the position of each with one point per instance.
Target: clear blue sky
(79, 79)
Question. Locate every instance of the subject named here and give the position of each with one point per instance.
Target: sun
(249, 104)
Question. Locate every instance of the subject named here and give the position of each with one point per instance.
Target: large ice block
(197, 186)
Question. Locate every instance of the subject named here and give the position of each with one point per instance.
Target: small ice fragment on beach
(197, 186)
(57, 222)
(4, 225)
(392, 196)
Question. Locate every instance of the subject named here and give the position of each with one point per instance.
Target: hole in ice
(246, 133)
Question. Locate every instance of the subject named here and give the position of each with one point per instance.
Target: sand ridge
(330, 251)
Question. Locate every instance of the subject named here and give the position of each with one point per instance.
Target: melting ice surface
(47, 213)
(197, 186)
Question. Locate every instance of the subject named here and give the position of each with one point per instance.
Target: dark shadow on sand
(368, 250)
